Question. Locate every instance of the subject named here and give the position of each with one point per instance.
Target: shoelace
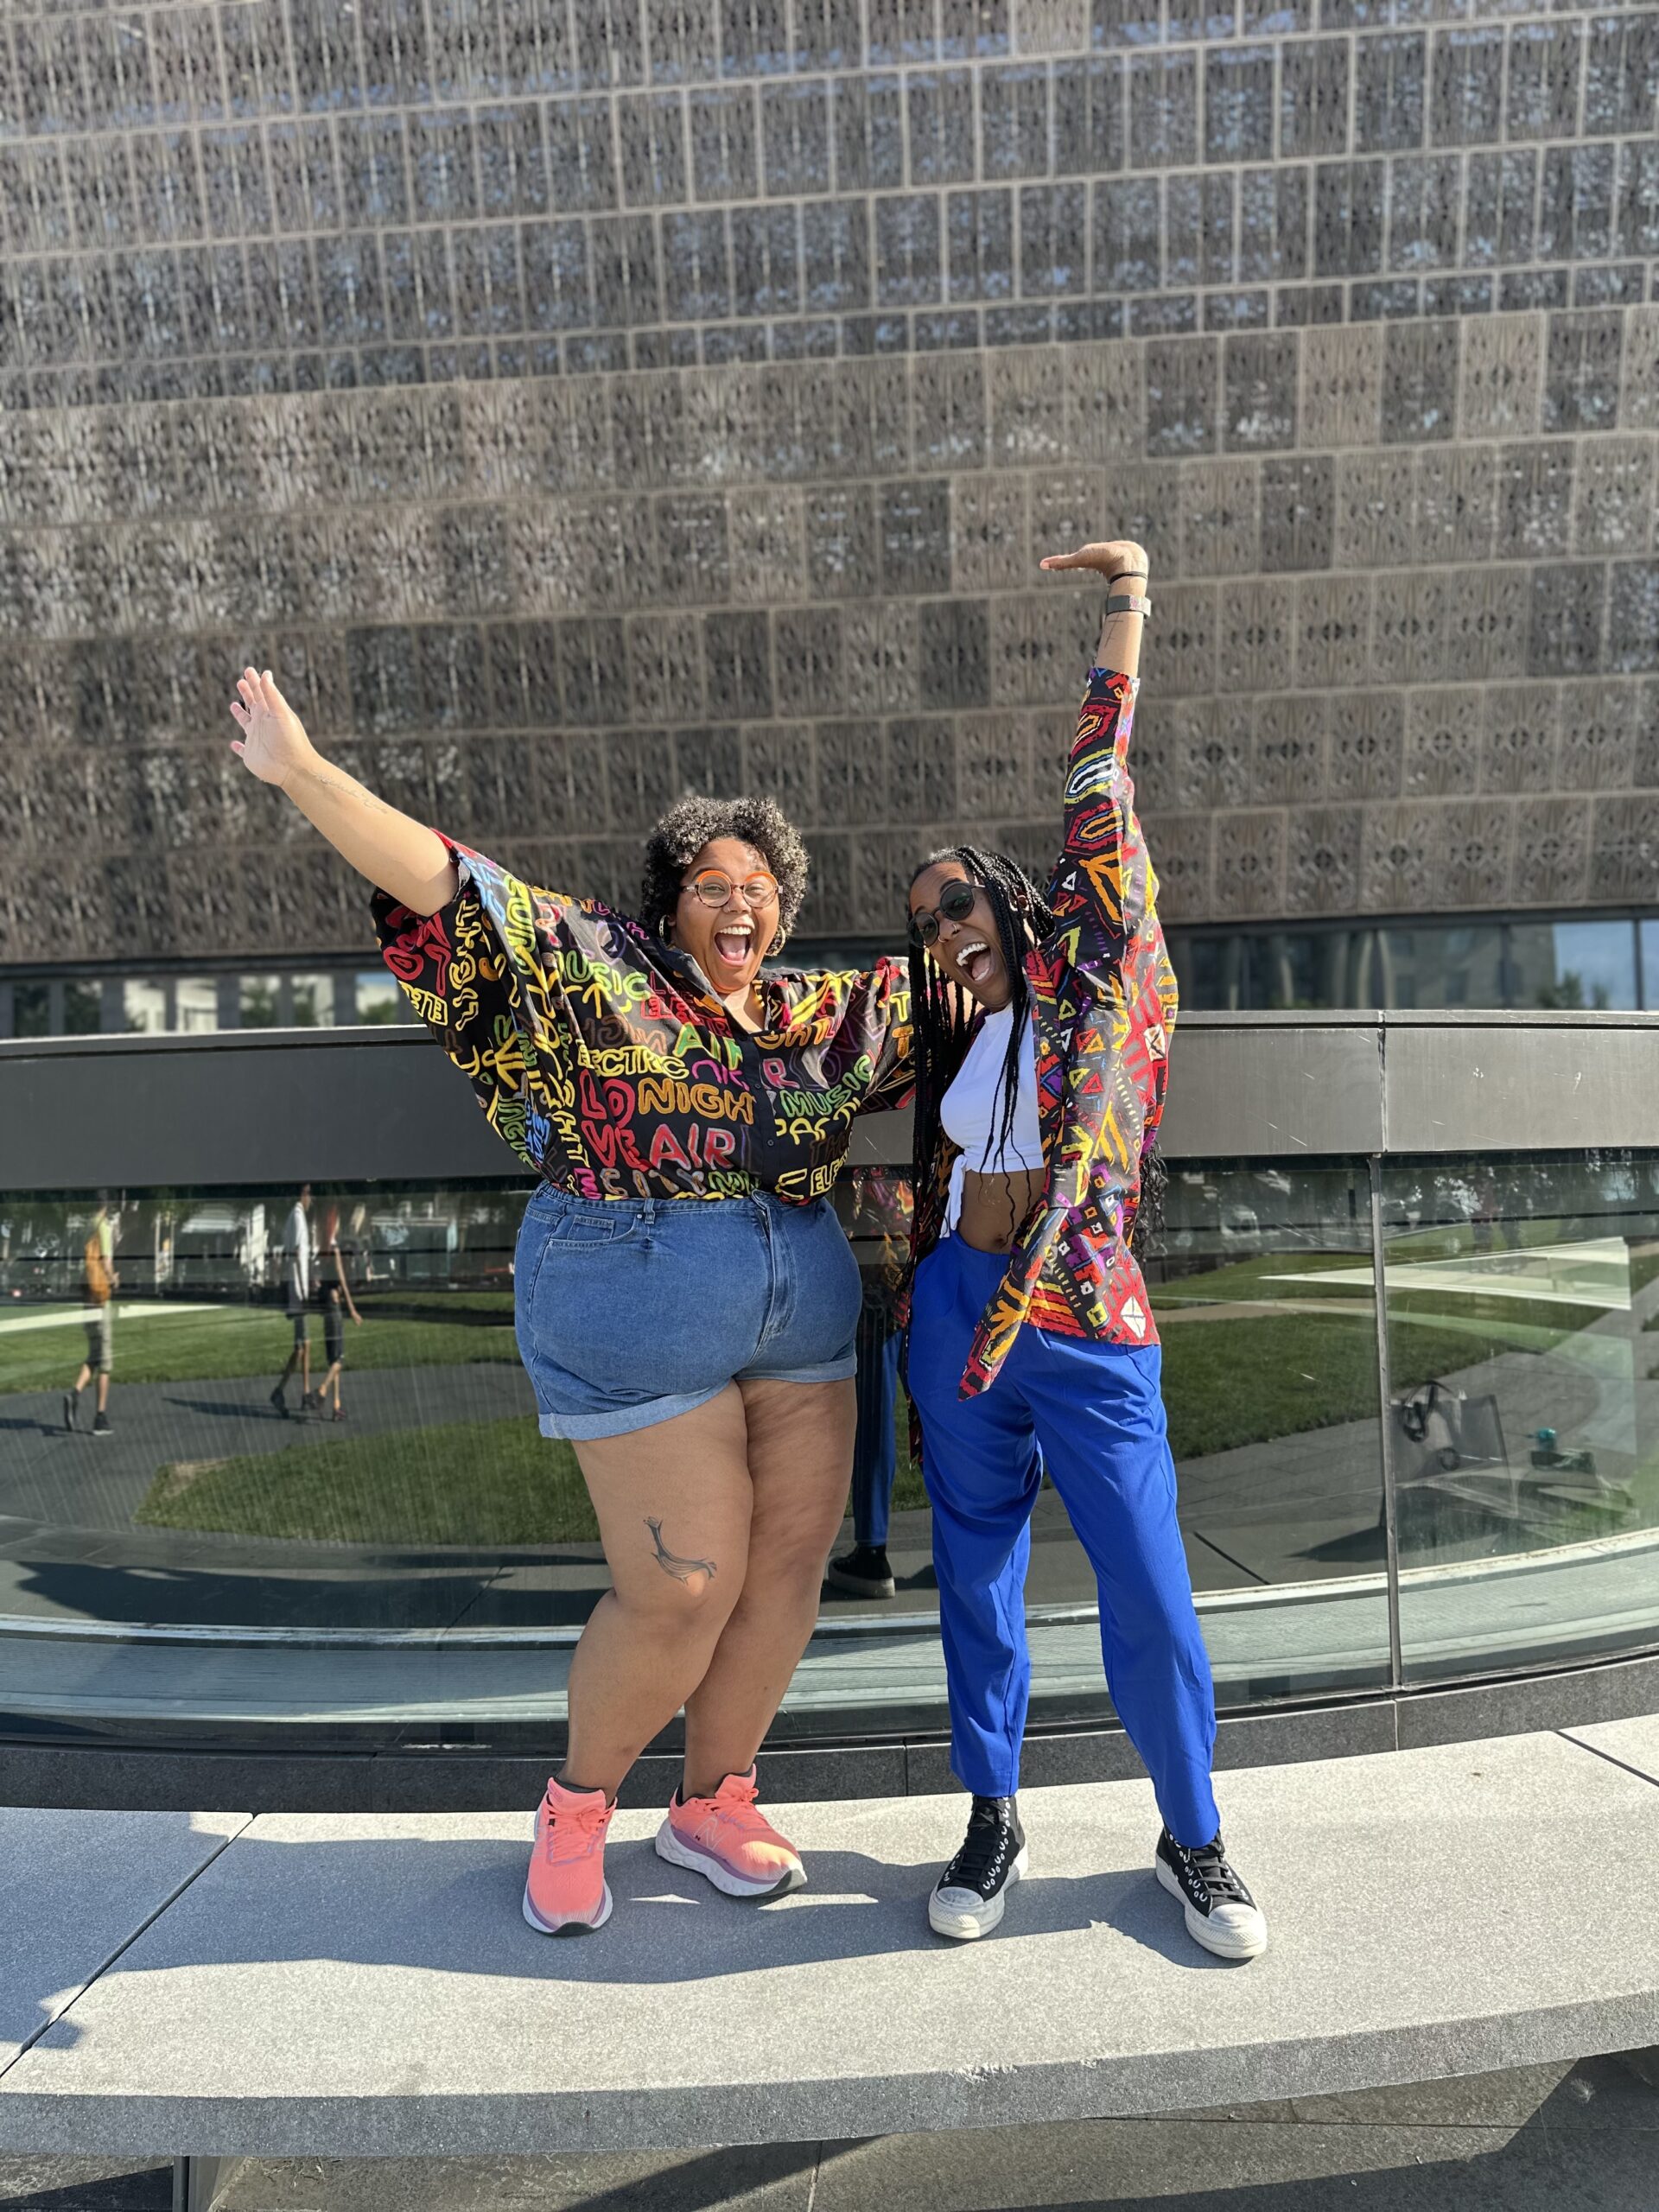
(735, 1808)
(568, 1835)
(986, 1850)
(1212, 1869)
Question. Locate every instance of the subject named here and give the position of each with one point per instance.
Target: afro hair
(691, 823)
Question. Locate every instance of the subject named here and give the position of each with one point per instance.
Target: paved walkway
(336, 1986)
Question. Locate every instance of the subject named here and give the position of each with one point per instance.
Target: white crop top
(971, 1111)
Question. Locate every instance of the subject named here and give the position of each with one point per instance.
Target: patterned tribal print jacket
(1102, 1006)
(601, 1055)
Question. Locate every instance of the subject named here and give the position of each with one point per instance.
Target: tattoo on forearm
(349, 787)
(670, 1562)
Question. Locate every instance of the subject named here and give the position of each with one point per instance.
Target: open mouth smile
(733, 943)
(976, 961)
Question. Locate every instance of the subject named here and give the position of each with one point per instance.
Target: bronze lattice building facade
(580, 400)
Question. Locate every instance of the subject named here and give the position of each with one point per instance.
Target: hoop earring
(776, 946)
(662, 930)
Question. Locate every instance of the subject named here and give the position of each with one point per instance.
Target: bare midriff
(994, 1207)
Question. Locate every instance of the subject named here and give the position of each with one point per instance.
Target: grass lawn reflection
(154, 1343)
(1235, 1379)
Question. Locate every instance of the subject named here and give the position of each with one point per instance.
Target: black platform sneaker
(969, 1896)
(865, 1570)
(1221, 1914)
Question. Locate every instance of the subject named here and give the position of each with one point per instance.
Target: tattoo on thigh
(670, 1562)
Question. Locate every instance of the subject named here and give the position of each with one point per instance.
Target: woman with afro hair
(686, 1302)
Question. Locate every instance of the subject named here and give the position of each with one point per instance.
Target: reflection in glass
(1522, 1335)
(1262, 1285)
(195, 1004)
(257, 999)
(1262, 1290)
(378, 997)
(143, 1007)
(1526, 1449)
(312, 1001)
(1209, 970)
(1439, 967)
(1573, 965)
(208, 1505)
(31, 1010)
(1540, 963)
(1308, 968)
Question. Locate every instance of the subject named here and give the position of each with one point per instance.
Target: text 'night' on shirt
(601, 1055)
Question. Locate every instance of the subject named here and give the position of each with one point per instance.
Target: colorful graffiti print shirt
(601, 1055)
(1102, 1006)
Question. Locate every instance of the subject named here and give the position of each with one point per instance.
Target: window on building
(83, 1007)
(195, 1004)
(1208, 971)
(143, 1007)
(377, 996)
(313, 1002)
(1573, 965)
(258, 1002)
(1456, 965)
(31, 1010)
(1307, 968)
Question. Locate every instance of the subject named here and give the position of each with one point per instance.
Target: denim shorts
(631, 1311)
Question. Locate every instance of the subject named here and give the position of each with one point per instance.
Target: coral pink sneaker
(566, 1892)
(728, 1838)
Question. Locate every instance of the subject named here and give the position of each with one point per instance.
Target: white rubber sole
(568, 1927)
(855, 1586)
(1225, 1942)
(967, 1927)
(668, 1846)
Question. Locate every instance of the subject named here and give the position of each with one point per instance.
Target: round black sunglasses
(955, 904)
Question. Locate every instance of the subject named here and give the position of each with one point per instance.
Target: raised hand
(273, 743)
(399, 855)
(1116, 556)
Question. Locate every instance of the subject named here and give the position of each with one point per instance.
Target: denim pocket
(592, 1227)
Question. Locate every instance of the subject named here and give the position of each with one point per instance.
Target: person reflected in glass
(334, 1296)
(686, 1302)
(99, 1283)
(1043, 1021)
(299, 1270)
(877, 1213)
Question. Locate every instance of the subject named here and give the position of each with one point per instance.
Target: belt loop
(650, 1212)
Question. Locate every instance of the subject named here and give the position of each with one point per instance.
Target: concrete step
(364, 1986)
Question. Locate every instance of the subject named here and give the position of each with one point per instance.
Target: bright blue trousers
(1091, 1416)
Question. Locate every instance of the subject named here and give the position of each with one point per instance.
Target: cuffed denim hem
(623, 1420)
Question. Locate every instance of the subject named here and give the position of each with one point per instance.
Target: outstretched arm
(395, 852)
(1120, 634)
(1103, 879)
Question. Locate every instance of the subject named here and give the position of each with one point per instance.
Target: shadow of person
(252, 1409)
(670, 1927)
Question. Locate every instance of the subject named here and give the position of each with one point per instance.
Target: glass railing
(260, 1539)
(1522, 1337)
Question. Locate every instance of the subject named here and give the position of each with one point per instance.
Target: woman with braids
(686, 1300)
(1042, 1031)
